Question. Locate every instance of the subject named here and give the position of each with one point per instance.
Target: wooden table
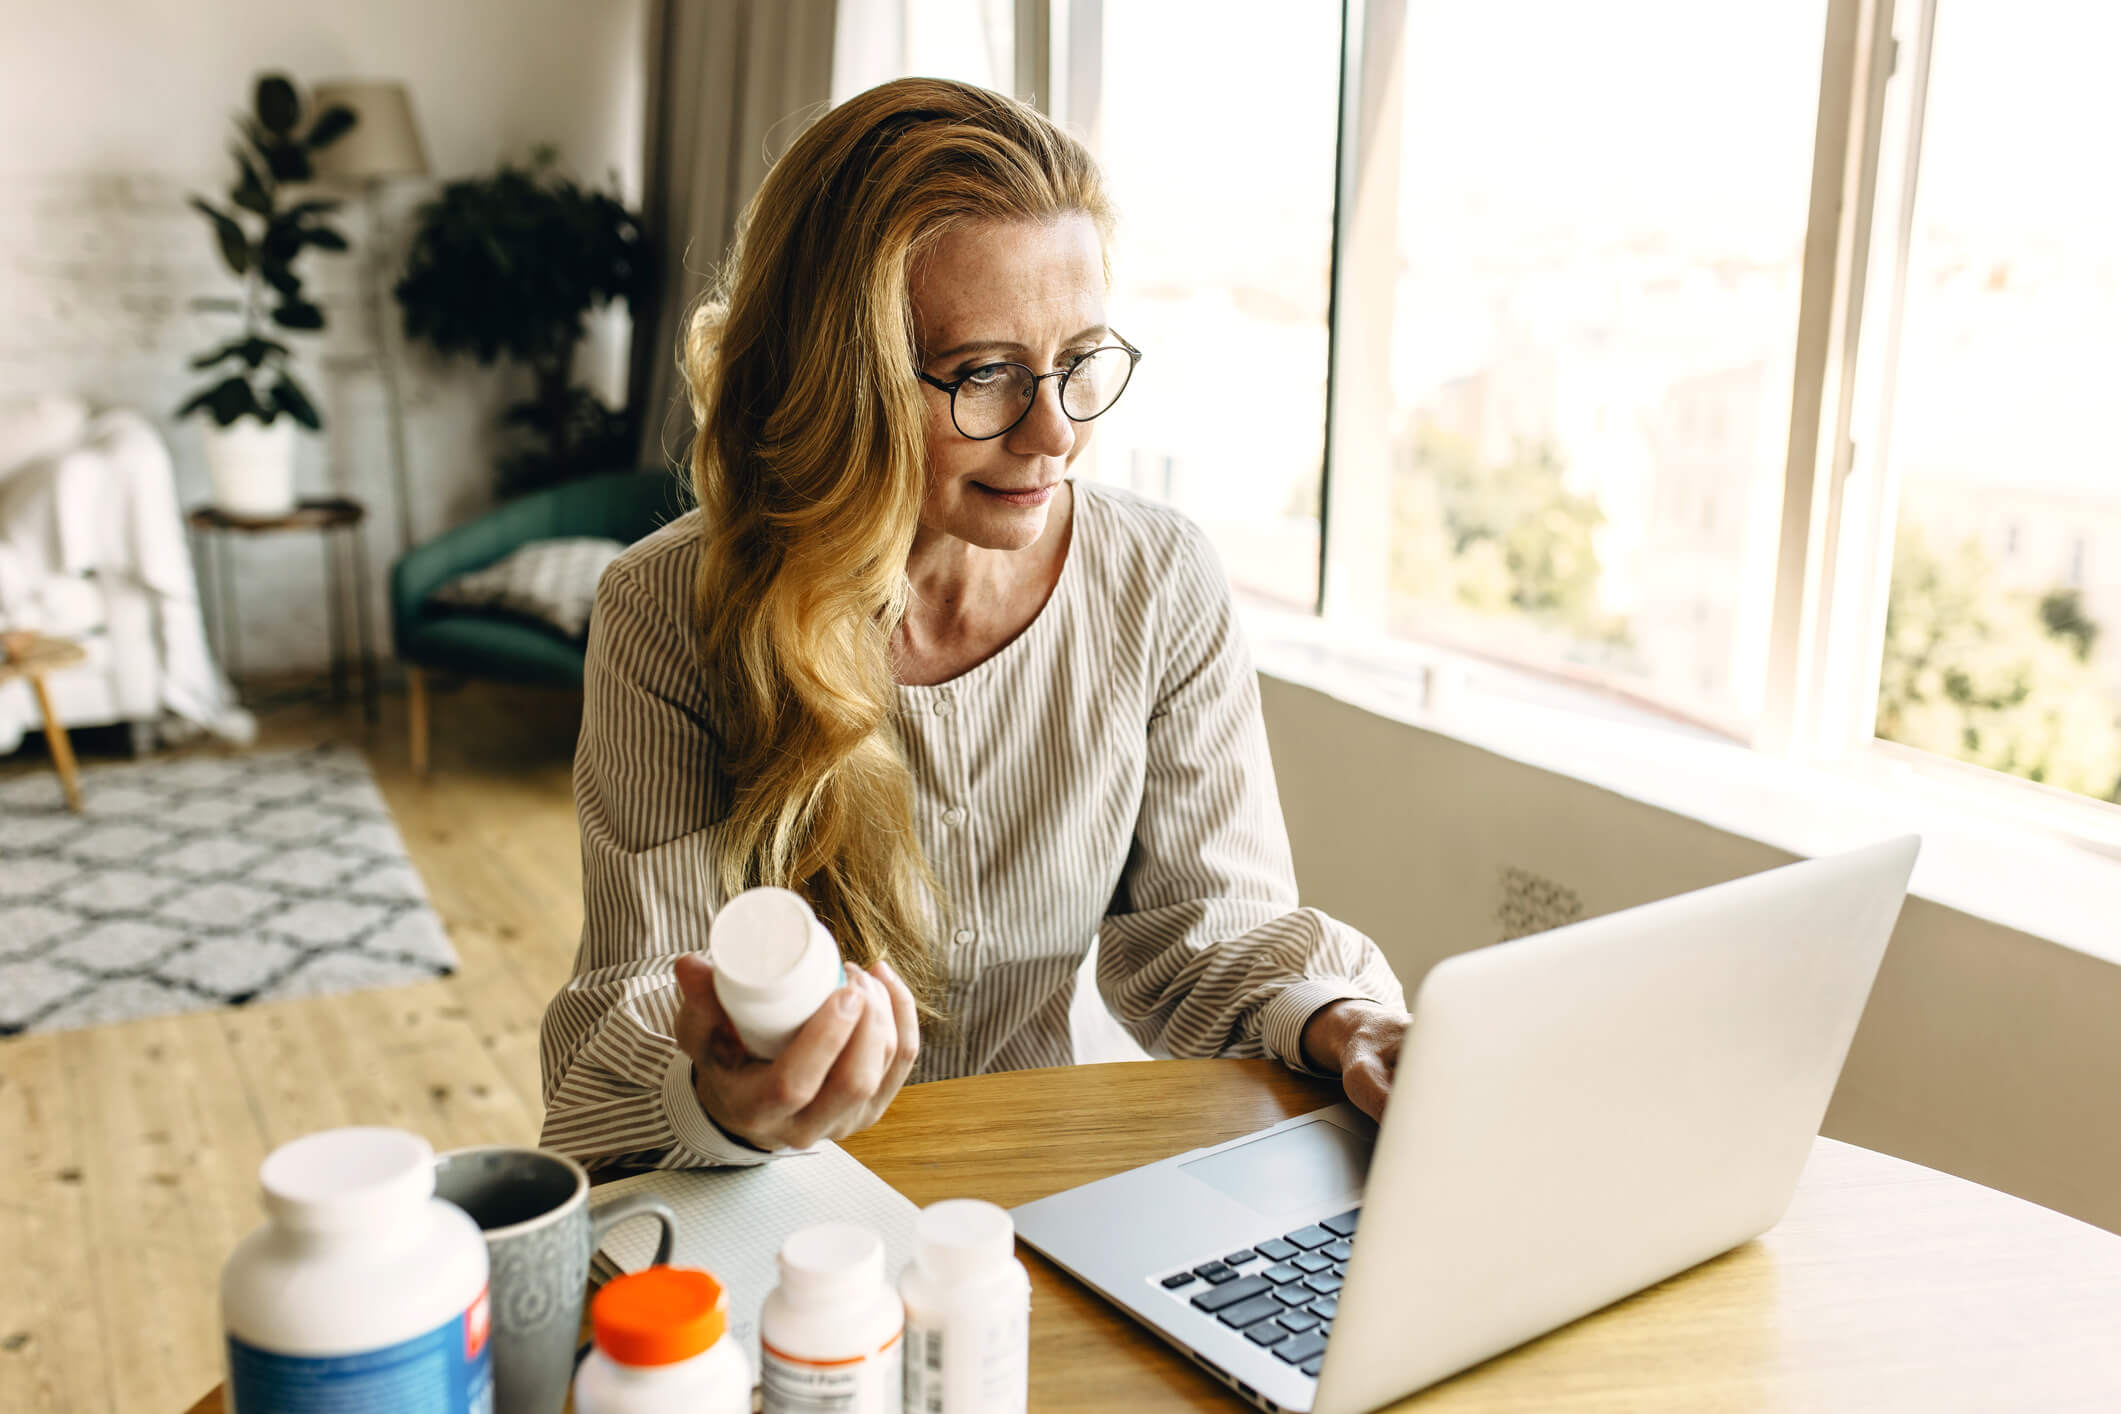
(1888, 1286)
(33, 659)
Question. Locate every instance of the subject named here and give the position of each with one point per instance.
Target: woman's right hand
(836, 1078)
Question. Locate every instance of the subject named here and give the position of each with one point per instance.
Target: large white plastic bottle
(362, 1291)
(968, 1312)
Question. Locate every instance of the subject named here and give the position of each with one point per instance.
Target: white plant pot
(253, 466)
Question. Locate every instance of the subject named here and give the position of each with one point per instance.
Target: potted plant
(511, 264)
(254, 407)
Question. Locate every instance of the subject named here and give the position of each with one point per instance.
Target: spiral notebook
(731, 1222)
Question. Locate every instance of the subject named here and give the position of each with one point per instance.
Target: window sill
(2010, 866)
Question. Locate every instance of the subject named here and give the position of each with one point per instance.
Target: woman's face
(1005, 292)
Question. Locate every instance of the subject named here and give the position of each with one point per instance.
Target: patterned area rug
(204, 882)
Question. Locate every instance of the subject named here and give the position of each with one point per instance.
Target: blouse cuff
(1282, 1021)
(697, 1135)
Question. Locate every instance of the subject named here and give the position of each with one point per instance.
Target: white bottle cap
(766, 939)
(961, 1237)
(830, 1262)
(347, 1178)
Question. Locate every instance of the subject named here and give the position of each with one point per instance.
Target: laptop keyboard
(1282, 1293)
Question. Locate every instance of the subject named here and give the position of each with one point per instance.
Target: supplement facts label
(449, 1370)
(866, 1386)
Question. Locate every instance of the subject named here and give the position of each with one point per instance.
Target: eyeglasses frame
(950, 386)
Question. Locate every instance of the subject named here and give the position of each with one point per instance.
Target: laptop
(1576, 1115)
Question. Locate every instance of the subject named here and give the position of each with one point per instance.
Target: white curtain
(730, 84)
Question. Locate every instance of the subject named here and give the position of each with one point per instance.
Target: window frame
(1812, 675)
(1835, 537)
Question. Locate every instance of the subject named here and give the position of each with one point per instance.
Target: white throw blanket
(107, 506)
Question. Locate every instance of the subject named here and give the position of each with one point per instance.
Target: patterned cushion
(551, 581)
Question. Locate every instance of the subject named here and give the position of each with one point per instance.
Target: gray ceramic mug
(533, 1207)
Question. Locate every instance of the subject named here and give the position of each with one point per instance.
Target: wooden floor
(129, 1153)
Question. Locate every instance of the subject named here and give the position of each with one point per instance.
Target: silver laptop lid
(1580, 1114)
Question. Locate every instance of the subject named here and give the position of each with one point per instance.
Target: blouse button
(954, 816)
(944, 704)
(964, 935)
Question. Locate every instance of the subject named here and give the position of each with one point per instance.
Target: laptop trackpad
(1313, 1166)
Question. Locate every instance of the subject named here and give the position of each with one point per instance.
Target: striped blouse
(1104, 776)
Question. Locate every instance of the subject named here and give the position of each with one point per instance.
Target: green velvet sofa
(622, 506)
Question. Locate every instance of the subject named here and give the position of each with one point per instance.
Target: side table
(338, 521)
(32, 657)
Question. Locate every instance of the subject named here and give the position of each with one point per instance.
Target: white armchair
(92, 549)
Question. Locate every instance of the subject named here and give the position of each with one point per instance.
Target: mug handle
(635, 1205)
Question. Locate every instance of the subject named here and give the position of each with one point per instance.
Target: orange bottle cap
(660, 1316)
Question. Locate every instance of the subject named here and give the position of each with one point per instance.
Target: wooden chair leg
(416, 692)
(61, 748)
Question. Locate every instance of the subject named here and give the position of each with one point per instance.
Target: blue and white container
(362, 1290)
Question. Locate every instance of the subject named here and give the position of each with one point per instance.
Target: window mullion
(1839, 607)
(1076, 63)
(1856, 637)
(1355, 548)
(1034, 54)
(1855, 66)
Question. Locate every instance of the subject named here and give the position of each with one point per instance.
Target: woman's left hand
(1361, 1041)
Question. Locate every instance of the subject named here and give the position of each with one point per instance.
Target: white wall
(1984, 1052)
(115, 110)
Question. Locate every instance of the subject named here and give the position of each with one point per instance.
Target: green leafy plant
(259, 242)
(2003, 679)
(509, 265)
(1499, 537)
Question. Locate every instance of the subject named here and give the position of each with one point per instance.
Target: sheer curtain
(730, 84)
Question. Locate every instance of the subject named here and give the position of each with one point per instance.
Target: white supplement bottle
(774, 966)
(829, 1333)
(362, 1291)
(968, 1312)
(663, 1347)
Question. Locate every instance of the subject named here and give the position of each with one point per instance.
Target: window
(875, 41)
(1743, 360)
(1592, 333)
(2003, 641)
(1215, 128)
(1747, 362)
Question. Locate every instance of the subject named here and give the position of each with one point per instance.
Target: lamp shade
(384, 143)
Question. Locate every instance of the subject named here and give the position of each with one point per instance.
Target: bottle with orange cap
(663, 1347)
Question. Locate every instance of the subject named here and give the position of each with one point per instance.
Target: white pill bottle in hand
(663, 1347)
(774, 966)
(830, 1333)
(968, 1312)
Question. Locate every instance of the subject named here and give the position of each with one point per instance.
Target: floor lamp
(384, 143)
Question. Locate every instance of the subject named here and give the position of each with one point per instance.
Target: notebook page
(731, 1222)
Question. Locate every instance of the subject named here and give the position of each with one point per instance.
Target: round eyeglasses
(988, 401)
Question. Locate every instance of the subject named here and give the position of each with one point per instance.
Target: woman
(977, 713)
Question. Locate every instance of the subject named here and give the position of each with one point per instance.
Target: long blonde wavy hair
(810, 468)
